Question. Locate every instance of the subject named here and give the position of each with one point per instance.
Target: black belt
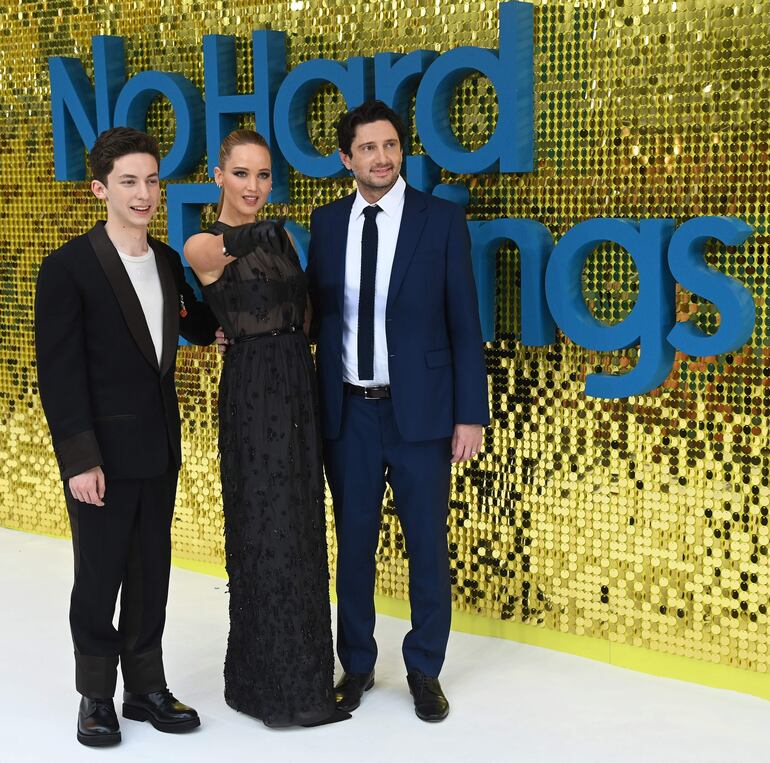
(370, 393)
(263, 335)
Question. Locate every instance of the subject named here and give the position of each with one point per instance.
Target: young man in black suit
(110, 305)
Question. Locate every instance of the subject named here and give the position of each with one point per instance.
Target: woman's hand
(244, 239)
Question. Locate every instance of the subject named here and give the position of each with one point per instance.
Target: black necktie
(366, 294)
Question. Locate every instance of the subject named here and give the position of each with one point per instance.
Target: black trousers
(123, 546)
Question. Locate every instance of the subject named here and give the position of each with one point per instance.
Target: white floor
(510, 702)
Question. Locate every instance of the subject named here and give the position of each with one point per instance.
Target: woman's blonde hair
(237, 138)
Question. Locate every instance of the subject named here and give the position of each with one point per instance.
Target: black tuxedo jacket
(106, 400)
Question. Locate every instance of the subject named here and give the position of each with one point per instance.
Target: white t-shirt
(143, 273)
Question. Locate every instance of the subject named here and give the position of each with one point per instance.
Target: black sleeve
(199, 325)
(312, 275)
(62, 369)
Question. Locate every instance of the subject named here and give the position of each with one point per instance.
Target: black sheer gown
(280, 663)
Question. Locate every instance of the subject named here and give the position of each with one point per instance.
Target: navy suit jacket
(436, 356)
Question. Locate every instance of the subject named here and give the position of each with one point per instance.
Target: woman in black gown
(279, 664)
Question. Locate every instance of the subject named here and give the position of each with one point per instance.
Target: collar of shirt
(389, 203)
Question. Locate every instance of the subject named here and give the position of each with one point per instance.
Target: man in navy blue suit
(403, 390)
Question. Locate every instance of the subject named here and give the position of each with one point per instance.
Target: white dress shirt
(388, 225)
(143, 273)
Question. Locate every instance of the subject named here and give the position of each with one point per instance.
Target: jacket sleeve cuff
(478, 414)
(78, 454)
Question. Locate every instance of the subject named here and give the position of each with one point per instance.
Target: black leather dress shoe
(97, 723)
(430, 704)
(162, 709)
(350, 689)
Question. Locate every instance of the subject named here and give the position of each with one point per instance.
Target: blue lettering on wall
(353, 79)
(550, 294)
(189, 142)
(79, 112)
(535, 243)
(511, 147)
(650, 319)
(224, 104)
(733, 300)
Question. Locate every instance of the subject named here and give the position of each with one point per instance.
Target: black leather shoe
(430, 704)
(162, 709)
(351, 688)
(97, 723)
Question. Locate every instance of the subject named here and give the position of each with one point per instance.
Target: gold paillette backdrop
(642, 522)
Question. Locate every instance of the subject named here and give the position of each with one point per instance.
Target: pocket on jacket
(438, 358)
(117, 417)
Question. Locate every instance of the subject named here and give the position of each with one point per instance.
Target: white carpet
(510, 702)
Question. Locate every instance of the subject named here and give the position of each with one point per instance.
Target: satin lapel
(339, 247)
(412, 222)
(116, 274)
(170, 309)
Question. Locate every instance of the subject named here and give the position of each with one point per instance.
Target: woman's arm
(209, 254)
(205, 254)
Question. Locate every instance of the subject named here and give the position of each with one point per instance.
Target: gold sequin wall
(642, 522)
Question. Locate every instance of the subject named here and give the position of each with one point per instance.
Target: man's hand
(222, 341)
(88, 487)
(466, 442)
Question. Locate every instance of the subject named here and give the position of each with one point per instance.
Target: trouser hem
(143, 673)
(96, 677)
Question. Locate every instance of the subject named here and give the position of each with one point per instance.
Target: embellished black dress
(280, 663)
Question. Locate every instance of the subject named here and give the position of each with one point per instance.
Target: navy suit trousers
(368, 452)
